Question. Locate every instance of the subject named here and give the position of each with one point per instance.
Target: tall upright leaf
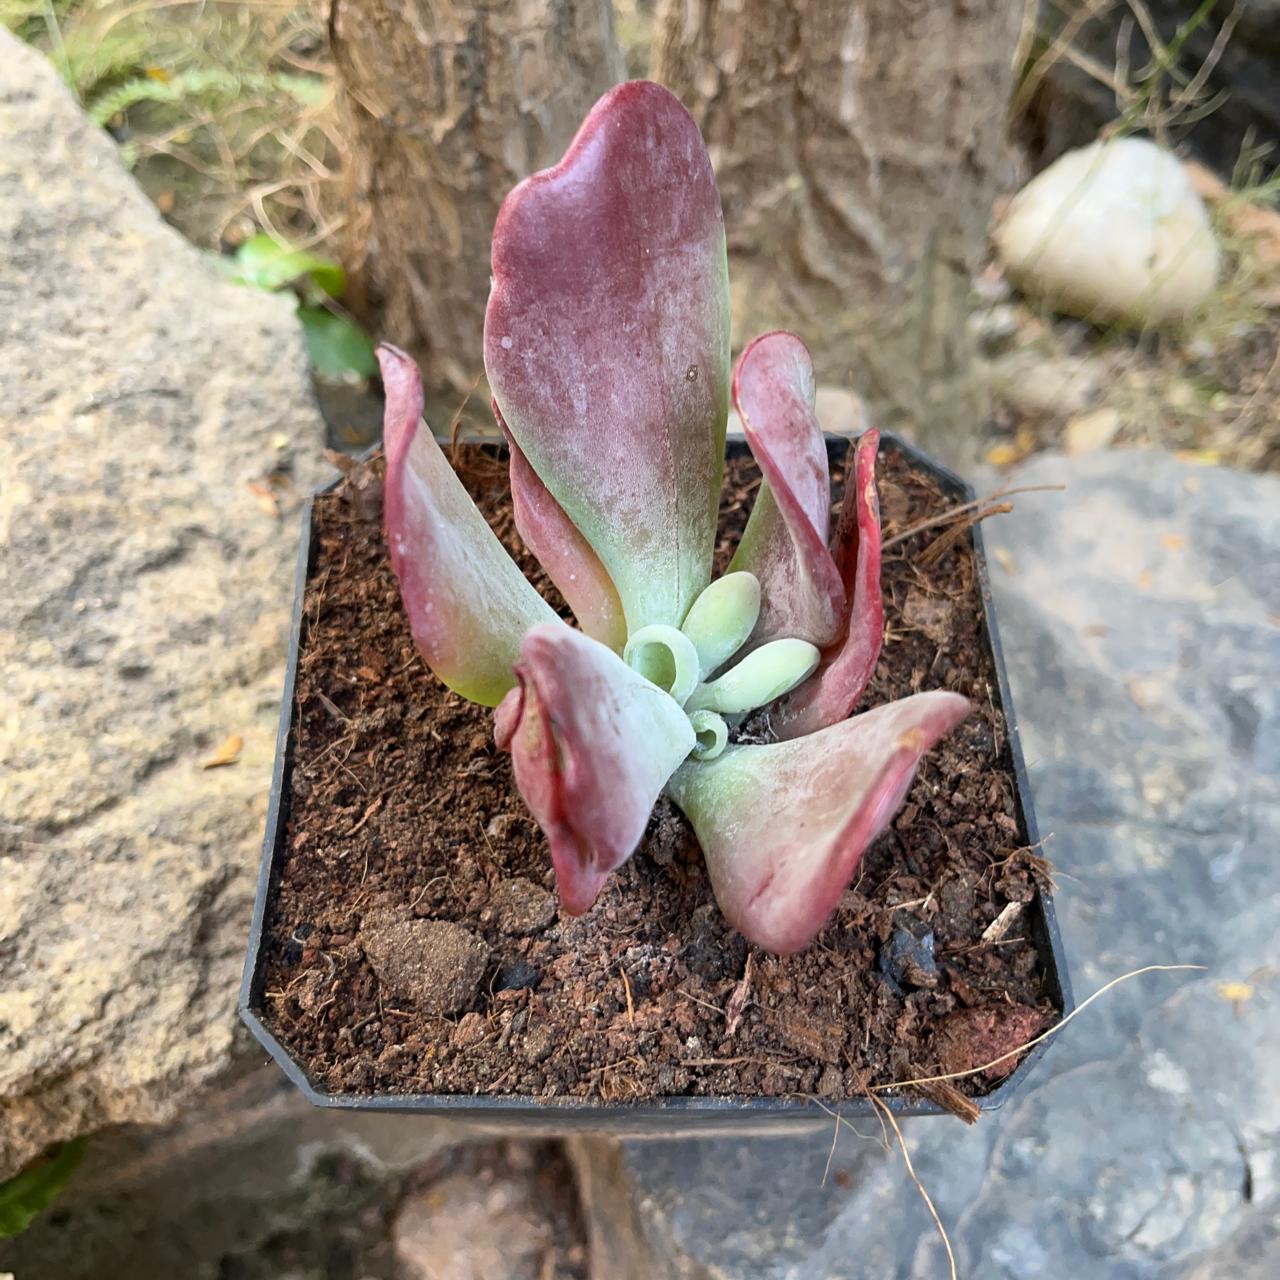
(607, 343)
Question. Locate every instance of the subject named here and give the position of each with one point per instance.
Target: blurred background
(860, 161)
(1041, 238)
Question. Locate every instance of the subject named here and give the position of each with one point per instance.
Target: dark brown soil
(402, 809)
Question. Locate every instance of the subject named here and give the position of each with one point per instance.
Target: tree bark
(858, 145)
(450, 104)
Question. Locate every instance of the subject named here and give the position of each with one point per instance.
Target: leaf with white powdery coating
(607, 343)
(563, 552)
(468, 604)
(722, 618)
(785, 541)
(784, 826)
(592, 745)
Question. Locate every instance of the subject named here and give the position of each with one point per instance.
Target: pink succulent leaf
(468, 603)
(506, 717)
(592, 745)
(784, 826)
(847, 667)
(607, 343)
(785, 541)
(563, 552)
(859, 520)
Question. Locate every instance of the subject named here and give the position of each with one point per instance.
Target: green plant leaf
(468, 604)
(28, 1194)
(196, 84)
(265, 263)
(337, 345)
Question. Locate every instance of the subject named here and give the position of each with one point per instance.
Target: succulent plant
(607, 352)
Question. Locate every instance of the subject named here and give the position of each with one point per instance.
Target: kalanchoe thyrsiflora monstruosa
(607, 350)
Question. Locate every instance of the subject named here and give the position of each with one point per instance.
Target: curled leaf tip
(784, 826)
(711, 732)
(785, 541)
(665, 657)
(592, 745)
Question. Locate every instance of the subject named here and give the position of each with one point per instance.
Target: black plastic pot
(661, 1117)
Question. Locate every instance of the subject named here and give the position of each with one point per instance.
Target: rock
(517, 976)
(470, 1031)
(493, 1214)
(539, 1044)
(258, 1185)
(436, 965)
(1112, 231)
(840, 411)
(1044, 387)
(995, 328)
(928, 614)
(973, 1038)
(253, 1183)
(727, 1209)
(519, 906)
(907, 959)
(1090, 431)
(156, 432)
(1146, 1145)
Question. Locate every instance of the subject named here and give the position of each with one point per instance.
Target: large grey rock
(145, 588)
(1140, 613)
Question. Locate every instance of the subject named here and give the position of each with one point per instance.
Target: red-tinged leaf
(506, 717)
(785, 541)
(784, 826)
(592, 745)
(468, 604)
(847, 667)
(607, 343)
(563, 552)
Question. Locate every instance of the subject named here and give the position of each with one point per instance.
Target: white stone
(1090, 431)
(1112, 231)
(839, 411)
(1040, 386)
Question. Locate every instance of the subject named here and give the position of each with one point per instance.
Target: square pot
(659, 1116)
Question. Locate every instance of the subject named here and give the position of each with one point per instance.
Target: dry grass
(225, 111)
(1210, 388)
(1159, 95)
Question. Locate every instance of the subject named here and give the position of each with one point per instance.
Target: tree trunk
(858, 145)
(450, 104)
